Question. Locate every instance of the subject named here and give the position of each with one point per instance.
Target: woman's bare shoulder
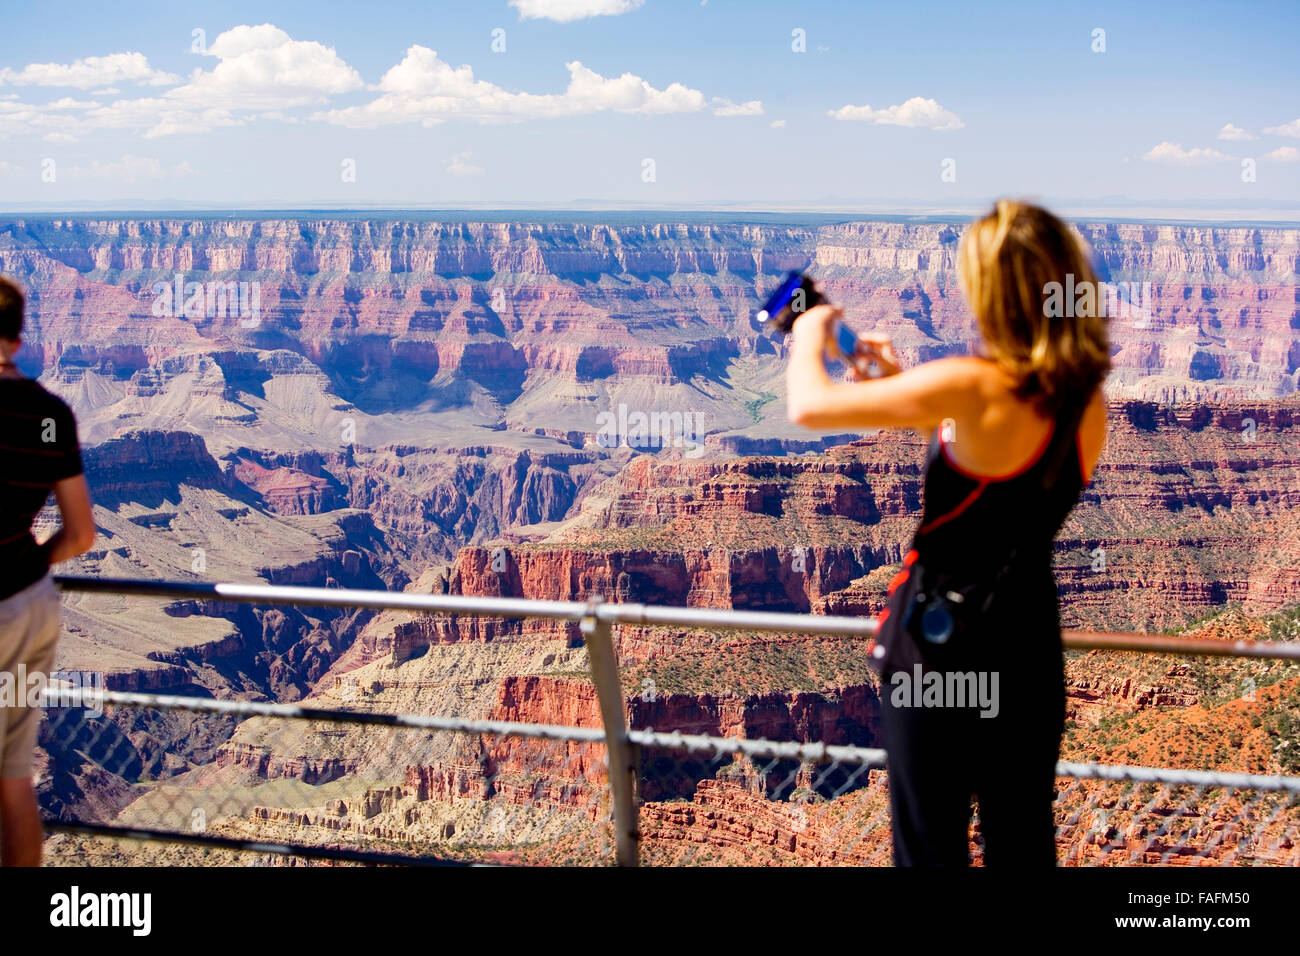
(966, 369)
(983, 375)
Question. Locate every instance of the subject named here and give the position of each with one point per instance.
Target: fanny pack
(941, 610)
(936, 614)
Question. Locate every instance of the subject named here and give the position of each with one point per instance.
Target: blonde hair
(1005, 264)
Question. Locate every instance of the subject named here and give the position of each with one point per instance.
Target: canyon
(417, 407)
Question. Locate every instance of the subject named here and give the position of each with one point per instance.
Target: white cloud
(8, 169)
(90, 72)
(776, 124)
(588, 91)
(18, 118)
(1286, 129)
(129, 169)
(724, 107)
(162, 117)
(423, 88)
(264, 68)
(1174, 154)
(262, 74)
(260, 68)
(1284, 154)
(68, 103)
(566, 11)
(460, 166)
(1234, 133)
(917, 112)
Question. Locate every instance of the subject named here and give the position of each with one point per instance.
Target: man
(38, 454)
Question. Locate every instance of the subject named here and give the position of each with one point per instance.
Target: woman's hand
(875, 348)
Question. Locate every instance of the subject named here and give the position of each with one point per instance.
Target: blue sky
(657, 103)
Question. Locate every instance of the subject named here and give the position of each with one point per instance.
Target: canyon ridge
(418, 402)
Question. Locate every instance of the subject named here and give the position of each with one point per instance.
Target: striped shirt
(38, 448)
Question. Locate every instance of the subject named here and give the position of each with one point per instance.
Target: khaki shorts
(29, 631)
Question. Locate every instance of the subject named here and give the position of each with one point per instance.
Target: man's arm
(78, 531)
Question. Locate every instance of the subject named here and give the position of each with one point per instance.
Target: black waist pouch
(938, 619)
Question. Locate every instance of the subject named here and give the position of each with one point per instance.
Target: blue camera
(797, 294)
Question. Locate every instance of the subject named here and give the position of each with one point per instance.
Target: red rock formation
(264, 763)
(841, 716)
(1189, 509)
(411, 294)
(287, 490)
(148, 466)
(727, 824)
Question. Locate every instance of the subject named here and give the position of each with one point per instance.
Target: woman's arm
(919, 398)
(78, 531)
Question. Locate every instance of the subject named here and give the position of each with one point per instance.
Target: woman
(39, 454)
(1018, 430)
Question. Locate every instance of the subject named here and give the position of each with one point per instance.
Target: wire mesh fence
(835, 811)
(1135, 823)
(330, 785)
(352, 776)
(347, 788)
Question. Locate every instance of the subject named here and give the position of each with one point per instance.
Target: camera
(938, 620)
(936, 615)
(795, 295)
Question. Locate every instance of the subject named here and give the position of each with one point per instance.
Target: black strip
(136, 586)
(1066, 427)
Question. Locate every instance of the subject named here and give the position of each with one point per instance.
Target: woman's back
(974, 525)
(998, 433)
(1001, 475)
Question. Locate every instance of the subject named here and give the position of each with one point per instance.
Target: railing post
(622, 752)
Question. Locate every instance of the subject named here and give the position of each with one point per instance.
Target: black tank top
(977, 529)
(971, 524)
(972, 521)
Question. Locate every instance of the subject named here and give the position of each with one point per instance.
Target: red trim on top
(896, 580)
(976, 476)
(1083, 468)
(966, 503)
(910, 558)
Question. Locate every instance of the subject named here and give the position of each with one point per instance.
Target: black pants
(941, 757)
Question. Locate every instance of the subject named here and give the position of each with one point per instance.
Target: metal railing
(624, 747)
